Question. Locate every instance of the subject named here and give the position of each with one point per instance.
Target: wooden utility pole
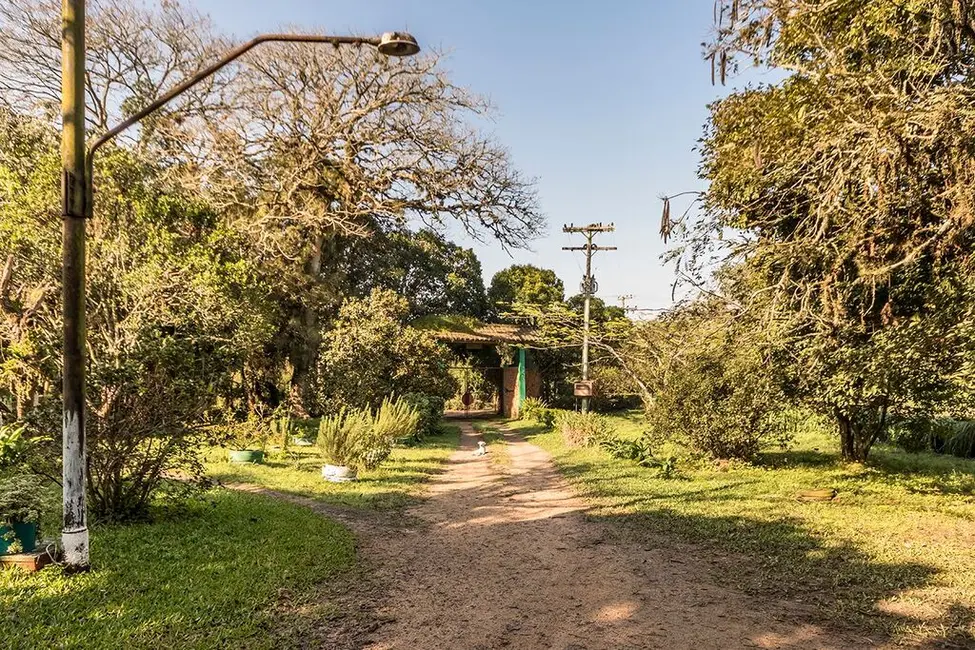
(589, 286)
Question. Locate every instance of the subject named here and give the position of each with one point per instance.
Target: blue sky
(603, 102)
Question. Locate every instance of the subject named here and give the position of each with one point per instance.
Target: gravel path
(503, 557)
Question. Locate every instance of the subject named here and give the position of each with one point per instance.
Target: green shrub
(342, 436)
(582, 429)
(370, 352)
(537, 411)
(394, 419)
(22, 500)
(962, 441)
(639, 451)
(430, 409)
(363, 439)
(283, 428)
(919, 434)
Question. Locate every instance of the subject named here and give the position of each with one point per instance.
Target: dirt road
(503, 557)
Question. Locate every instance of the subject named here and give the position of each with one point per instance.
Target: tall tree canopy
(845, 194)
(297, 146)
(526, 284)
(436, 276)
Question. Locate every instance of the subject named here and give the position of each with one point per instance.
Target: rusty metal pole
(74, 532)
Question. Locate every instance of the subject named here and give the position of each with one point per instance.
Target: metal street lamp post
(77, 203)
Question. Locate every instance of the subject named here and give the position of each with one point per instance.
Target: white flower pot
(338, 473)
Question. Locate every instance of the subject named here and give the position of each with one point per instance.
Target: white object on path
(481, 448)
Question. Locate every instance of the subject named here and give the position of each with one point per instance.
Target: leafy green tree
(844, 193)
(371, 353)
(174, 313)
(713, 383)
(525, 284)
(599, 311)
(436, 276)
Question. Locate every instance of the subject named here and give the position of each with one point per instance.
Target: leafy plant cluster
(23, 500)
(580, 429)
(536, 410)
(640, 451)
(430, 409)
(364, 438)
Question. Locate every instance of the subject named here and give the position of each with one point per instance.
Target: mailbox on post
(583, 389)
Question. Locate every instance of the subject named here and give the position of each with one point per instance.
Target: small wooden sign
(583, 388)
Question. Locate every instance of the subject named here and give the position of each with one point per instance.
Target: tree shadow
(801, 457)
(780, 560)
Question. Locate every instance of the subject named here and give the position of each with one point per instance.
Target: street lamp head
(398, 44)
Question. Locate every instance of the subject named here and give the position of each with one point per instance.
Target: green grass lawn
(224, 573)
(894, 553)
(394, 484)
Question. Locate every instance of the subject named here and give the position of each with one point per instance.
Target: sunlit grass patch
(394, 484)
(894, 552)
(209, 578)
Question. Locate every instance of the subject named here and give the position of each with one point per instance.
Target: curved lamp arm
(390, 43)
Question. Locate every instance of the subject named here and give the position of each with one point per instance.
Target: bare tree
(134, 53)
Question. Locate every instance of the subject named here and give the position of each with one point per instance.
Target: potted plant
(248, 440)
(360, 439)
(341, 437)
(22, 502)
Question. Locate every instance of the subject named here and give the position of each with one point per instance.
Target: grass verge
(394, 484)
(212, 576)
(893, 554)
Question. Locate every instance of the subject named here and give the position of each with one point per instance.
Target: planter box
(338, 473)
(247, 456)
(26, 534)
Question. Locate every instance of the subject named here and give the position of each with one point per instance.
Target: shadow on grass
(793, 458)
(782, 559)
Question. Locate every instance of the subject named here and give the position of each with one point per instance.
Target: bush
(582, 429)
(961, 443)
(341, 436)
(719, 399)
(639, 451)
(537, 411)
(363, 439)
(919, 434)
(22, 500)
(371, 352)
(430, 409)
(395, 419)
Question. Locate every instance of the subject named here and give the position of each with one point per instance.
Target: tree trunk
(847, 435)
(304, 358)
(859, 431)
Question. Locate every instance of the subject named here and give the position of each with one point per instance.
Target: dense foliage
(839, 202)
(371, 352)
(225, 234)
(524, 284)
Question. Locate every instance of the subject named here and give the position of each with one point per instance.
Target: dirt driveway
(503, 557)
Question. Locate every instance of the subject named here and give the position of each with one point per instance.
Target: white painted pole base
(75, 546)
